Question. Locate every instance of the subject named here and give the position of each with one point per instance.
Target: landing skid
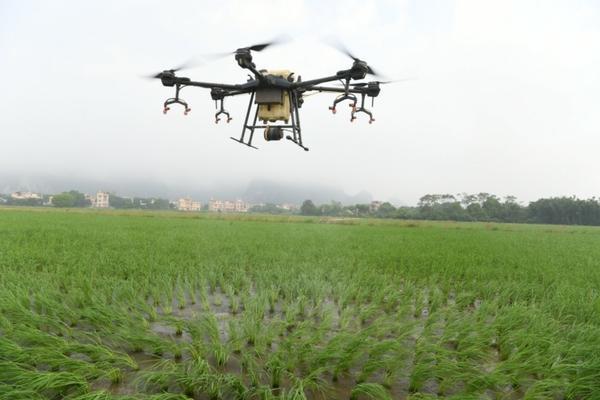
(296, 136)
(244, 143)
(288, 137)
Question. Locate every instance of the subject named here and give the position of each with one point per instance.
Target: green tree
(309, 208)
(268, 208)
(386, 210)
(332, 209)
(72, 198)
(493, 208)
(64, 199)
(120, 202)
(476, 212)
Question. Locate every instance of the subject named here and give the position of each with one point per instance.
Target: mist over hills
(263, 191)
(255, 191)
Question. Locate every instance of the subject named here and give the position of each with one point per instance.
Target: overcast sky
(506, 100)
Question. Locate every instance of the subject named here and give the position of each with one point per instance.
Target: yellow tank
(274, 104)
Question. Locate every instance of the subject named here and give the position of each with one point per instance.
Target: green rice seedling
(252, 329)
(181, 302)
(370, 390)
(167, 308)
(313, 383)
(378, 353)
(57, 383)
(165, 396)
(234, 304)
(204, 300)
(115, 375)
(212, 279)
(210, 327)
(235, 340)
(301, 304)
(221, 354)
(367, 313)
(251, 368)
(348, 321)
(235, 387)
(11, 351)
(159, 377)
(95, 395)
(217, 300)
(275, 367)
(273, 297)
(10, 392)
(194, 377)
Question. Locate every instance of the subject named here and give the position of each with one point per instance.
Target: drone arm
(335, 89)
(209, 85)
(245, 88)
(307, 84)
(236, 92)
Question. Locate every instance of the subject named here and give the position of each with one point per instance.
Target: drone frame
(295, 90)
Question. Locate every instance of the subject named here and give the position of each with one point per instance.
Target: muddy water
(219, 305)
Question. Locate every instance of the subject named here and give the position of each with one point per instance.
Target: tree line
(472, 207)
(76, 199)
(463, 207)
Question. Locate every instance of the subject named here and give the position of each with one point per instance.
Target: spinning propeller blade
(278, 40)
(195, 62)
(191, 63)
(339, 46)
(254, 47)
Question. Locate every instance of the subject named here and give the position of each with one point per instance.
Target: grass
(138, 305)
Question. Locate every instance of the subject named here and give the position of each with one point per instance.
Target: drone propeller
(195, 62)
(186, 65)
(344, 50)
(254, 47)
(261, 46)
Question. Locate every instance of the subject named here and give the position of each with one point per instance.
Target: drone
(276, 96)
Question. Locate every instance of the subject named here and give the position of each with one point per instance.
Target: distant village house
(228, 206)
(25, 196)
(187, 204)
(99, 200)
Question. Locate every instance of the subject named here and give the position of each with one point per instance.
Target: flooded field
(116, 306)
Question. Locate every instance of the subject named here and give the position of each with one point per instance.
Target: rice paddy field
(108, 305)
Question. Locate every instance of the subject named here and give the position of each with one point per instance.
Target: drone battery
(275, 112)
(269, 96)
(274, 103)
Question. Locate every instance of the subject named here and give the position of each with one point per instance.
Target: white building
(374, 206)
(228, 206)
(99, 200)
(289, 206)
(25, 195)
(187, 204)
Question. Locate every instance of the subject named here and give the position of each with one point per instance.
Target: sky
(504, 96)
